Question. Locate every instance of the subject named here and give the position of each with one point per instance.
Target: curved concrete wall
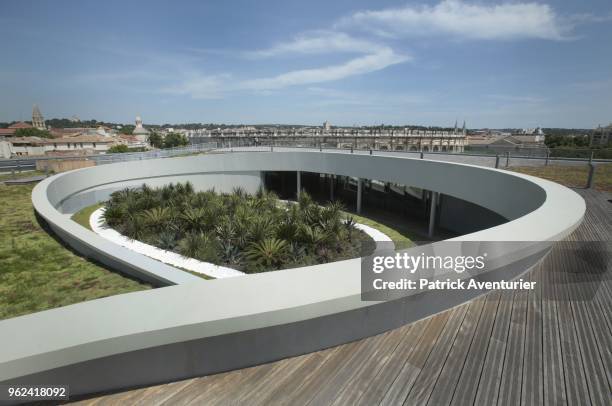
(204, 327)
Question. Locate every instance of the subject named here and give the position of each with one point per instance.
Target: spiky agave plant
(166, 240)
(270, 252)
(225, 230)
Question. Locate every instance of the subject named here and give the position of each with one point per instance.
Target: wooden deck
(551, 345)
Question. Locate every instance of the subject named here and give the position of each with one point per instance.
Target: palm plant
(252, 232)
(270, 252)
(313, 236)
(349, 225)
(194, 218)
(133, 227)
(202, 246)
(156, 218)
(114, 214)
(261, 228)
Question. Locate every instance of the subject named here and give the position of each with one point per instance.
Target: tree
(172, 140)
(121, 148)
(127, 129)
(156, 140)
(32, 132)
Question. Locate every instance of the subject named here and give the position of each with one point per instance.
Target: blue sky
(493, 63)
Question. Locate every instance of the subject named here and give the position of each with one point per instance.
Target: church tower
(38, 120)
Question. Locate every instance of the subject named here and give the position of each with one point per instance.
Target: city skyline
(497, 65)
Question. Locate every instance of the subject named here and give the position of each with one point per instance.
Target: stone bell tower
(38, 120)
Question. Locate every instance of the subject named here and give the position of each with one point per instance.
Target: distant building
(78, 145)
(601, 136)
(38, 120)
(536, 133)
(141, 133)
(10, 131)
(326, 126)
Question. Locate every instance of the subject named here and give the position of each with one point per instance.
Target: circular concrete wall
(199, 327)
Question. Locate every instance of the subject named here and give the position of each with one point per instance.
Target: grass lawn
(400, 240)
(82, 216)
(572, 176)
(39, 273)
(19, 175)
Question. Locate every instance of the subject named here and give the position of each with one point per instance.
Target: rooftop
(549, 345)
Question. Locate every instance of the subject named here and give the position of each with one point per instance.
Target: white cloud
(464, 20)
(199, 86)
(319, 42)
(383, 58)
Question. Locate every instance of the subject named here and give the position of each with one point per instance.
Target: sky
(492, 63)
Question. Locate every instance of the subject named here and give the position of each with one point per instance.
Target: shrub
(253, 233)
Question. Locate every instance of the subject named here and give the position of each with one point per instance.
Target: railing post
(422, 155)
(591, 175)
(591, 171)
(547, 157)
(507, 158)
(496, 161)
(370, 151)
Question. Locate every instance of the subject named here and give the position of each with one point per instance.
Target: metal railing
(29, 163)
(497, 160)
(501, 161)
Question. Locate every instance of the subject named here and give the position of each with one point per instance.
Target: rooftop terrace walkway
(552, 345)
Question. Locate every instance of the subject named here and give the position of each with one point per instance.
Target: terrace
(415, 358)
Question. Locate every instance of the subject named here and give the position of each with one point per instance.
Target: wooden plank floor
(551, 345)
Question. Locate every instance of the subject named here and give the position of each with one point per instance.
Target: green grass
(19, 175)
(36, 271)
(571, 175)
(401, 240)
(82, 216)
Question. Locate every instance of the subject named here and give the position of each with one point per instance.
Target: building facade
(601, 136)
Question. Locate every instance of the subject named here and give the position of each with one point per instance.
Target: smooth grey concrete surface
(211, 326)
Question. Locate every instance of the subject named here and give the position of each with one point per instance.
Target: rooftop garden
(251, 233)
(37, 272)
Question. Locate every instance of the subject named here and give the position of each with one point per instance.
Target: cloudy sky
(493, 63)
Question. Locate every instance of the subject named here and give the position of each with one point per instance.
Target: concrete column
(299, 183)
(359, 190)
(331, 188)
(432, 213)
